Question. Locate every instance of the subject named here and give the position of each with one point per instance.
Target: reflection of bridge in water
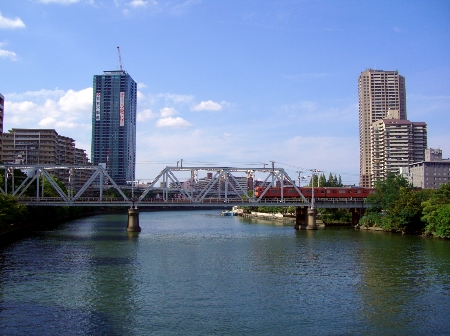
(172, 187)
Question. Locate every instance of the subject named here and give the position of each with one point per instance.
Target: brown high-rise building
(379, 92)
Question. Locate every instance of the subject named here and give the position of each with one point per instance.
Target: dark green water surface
(197, 273)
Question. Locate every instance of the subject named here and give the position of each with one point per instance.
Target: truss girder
(200, 184)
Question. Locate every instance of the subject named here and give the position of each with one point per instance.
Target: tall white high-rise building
(380, 92)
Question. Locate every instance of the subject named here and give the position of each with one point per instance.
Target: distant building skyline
(114, 124)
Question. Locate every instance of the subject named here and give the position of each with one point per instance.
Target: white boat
(227, 213)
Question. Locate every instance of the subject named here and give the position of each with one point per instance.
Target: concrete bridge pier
(311, 220)
(305, 218)
(301, 218)
(357, 213)
(133, 220)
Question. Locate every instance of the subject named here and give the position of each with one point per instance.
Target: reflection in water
(198, 273)
(398, 286)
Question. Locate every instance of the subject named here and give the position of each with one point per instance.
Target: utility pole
(273, 174)
(318, 177)
(312, 188)
(299, 172)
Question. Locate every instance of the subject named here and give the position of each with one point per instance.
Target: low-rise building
(432, 172)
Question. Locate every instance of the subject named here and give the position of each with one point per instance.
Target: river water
(198, 273)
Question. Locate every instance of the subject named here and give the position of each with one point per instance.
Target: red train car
(319, 192)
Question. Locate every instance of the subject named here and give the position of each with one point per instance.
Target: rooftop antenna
(120, 58)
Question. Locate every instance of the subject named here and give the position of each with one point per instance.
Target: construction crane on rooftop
(120, 58)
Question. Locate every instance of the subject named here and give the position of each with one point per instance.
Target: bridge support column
(356, 215)
(133, 220)
(311, 220)
(301, 218)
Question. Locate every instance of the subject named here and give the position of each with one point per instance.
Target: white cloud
(146, 115)
(167, 112)
(36, 96)
(173, 122)
(207, 106)
(7, 23)
(76, 100)
(47, 122)
(8, 54)
(141, 85)
(166, 98)
(138, 3)
(49, 108)
(176, 98)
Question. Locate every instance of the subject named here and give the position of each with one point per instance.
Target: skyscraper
(114, 124)
(379, 92)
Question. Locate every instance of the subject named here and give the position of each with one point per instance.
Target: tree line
(399, 207)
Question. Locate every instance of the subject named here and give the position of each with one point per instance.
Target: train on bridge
(319, 192)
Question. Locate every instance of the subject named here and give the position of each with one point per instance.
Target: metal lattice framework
(173, 186)
(222, 183)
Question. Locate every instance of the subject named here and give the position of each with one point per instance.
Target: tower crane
(120, 58)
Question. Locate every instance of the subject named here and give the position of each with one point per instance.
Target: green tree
(15, 175)
(335, 215)
(404, 214)
(50, 191)
(333, 181)
(436, 212)
(387, 192)
(10, 211)
(396, 206)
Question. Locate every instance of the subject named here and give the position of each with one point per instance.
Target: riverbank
(287, 218)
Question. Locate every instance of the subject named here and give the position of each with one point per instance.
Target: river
(198, 273)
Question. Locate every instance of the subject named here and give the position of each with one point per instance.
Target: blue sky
(227, 83)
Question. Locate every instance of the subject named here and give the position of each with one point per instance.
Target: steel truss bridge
(172, 187)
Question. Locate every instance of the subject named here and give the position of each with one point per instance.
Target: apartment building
(379, 91)
(43, 147)
(432, 172)
(395, 144)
